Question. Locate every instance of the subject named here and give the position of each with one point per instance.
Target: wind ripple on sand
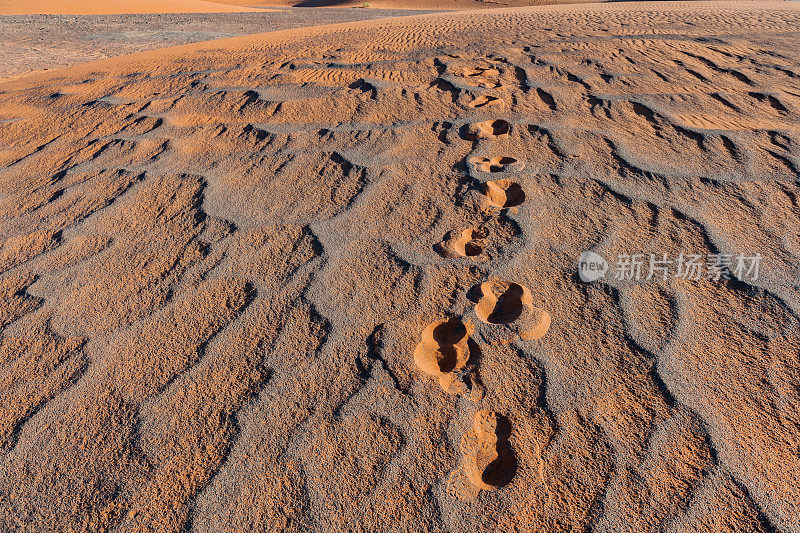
(215, 260)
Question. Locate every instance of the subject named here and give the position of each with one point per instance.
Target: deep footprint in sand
(486, 77)
(478, 72)
(459, 486)
(443, 351)
(489, 129)
(487, 460)
(506, 303)
(463, 243)
(486, 100)
(496, 164)
(503, 193)
(487, 83)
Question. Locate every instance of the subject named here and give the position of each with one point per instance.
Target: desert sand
(402, 4)
(101, 7)
(328, 279)
(105, 7)
(35, 43)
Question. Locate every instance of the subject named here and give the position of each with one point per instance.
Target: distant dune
(519, 270)
(406, 4)
(102, 7)
(99, 7)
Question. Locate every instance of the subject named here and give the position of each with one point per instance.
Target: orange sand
(218, 260)
(107, 7)
(405, 4)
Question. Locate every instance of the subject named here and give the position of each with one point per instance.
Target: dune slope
(105, 7)
(404, 4)
(325, 280)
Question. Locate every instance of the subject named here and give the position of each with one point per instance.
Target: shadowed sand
(217, 262)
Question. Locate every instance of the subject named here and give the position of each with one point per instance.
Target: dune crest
(104, 7)
(223, 305)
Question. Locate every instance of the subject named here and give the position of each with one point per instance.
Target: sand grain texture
(216, 262)
(104, 7)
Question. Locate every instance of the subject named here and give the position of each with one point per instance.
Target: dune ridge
(107, 7)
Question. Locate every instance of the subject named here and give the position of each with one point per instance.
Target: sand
(404, 4)
(106, 7)
(35, 43)
(219, 261)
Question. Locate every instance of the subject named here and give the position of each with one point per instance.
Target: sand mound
(105, 7)
(225, 306)
(402, 4)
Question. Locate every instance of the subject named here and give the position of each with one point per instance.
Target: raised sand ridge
(217, 262)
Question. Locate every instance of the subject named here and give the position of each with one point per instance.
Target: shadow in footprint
(446, 86)
(448, 358)
(474, 294)
(365, 87)
(485, 100)
(504, 193)
(451, 331)
(503, 429)
(502, 470)
(490, 129)
(508, 306)
(475, 353)
(503, 302)
(444, 348)
(494, 164)
(489, 460)
(462, 243)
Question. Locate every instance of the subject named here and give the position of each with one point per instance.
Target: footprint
(486, 77)
(486, 100)
(452, 383)
(488, 461)
(486, 83)
(460, 487)
(507, 303)
(489, 129)
(485, 423)
(462, 243)
(474, 72)
(504, 193)
(496, 164)
(443, 351)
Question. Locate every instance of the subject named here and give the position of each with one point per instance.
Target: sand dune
(36, 43)
(299, 282)
(104, 7)
(405, 4)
